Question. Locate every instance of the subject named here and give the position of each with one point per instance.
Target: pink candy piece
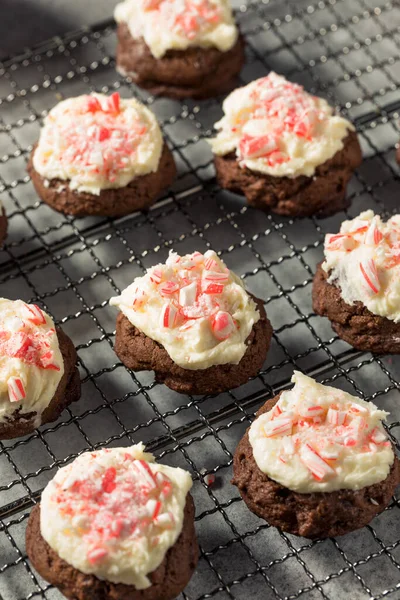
(314, 411)
(93, 104)
(335, 417)
(16, 389)
(222, 325)
(156, 275)
(113, 103)
(210, 264)
(33, 314)
(209, 479)
(151, 4)
(47, 361)
(341, 242)
(279, 426)
(373, 235)
(169, 316)
(215, 277)
(146, 473)
(255, 147)
(168, 288)
(378, 436)
(371, 276)
(213, 289)
(96, 555)
(314, 463)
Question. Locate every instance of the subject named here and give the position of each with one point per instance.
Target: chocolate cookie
(68, 391)
(3, 227)
(314, 515)
(355, 324)
(140, 353)
(139, 194)
(168, 580)
(323, 194)
(192, 73)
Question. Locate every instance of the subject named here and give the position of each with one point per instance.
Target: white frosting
(179, 24)
(363, 260)
(195, 307)
(31, 364)
(114, 513)
(321, 439)
(97, 142)
(277, 128)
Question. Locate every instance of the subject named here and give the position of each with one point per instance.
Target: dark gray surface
(24, 23)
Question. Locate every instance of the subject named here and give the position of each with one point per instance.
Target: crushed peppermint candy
(188, 18)
(318, 433)
(182, 23)
(31, 361)
(116, 502)
(98, 142)
(29, 343)
(25, 338)
(191, 288)
(276, 127)
(363, 260)
(195, 307)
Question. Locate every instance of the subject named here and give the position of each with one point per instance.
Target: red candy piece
(168, 288)
(108, 482)
(222, 325)
(16, 390)
(169, 316)
(255, 147)
(93, 105)
(151, 4)
(34, 314)
(156, 275)
(104, 134)
(318, 467)
(214, 288)
(371, 276)
(113, 103)
(96, 555)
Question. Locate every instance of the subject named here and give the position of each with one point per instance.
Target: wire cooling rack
(345, 50)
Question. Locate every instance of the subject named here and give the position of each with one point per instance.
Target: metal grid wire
(345, 50)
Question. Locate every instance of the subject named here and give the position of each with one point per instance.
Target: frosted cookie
(39, 377)
(284, 149)
(3, 224)
(100, 155)
(115, 525)
(193, 323)
(179, 48)
(358, 285)
(316, 461)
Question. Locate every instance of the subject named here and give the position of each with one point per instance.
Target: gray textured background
(27, 22)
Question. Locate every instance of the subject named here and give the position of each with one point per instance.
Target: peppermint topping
(29, 342)
(178, 24)
(30, 345)
(323, 437)
(116, 511)
(31, 364)
(195, 307)
(188, 18)
(113, 505)
(277, 128)
(97, 142)
(364, 261)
